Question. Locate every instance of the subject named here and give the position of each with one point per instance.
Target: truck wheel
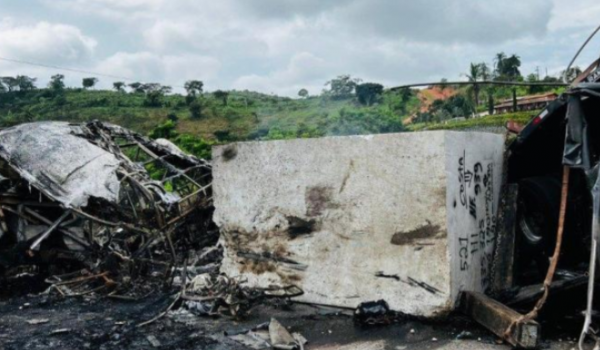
(538, 206)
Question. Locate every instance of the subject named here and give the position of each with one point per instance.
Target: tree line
(153, 92)
(508, 68)
(345, 87)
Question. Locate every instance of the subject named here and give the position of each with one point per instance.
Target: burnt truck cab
(565, 133)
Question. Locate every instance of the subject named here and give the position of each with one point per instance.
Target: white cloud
(567, 14)
(428, 20)
(118, 10)
(304, 70)
(449, 21)
(283, 45)
(45, 42)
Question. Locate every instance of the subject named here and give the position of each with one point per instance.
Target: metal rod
(47, 233)
(64, 230)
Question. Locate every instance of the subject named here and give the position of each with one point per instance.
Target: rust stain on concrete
(409, 237)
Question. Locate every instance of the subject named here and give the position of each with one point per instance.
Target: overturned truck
(99, 198)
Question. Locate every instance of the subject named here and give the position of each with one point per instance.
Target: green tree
(196, 109)
(507, 68)
(533, 78)
(368, 93)
(474, 75)
(60, 99)
(137, 87)
(154, 94)
(405, 94)
(173, 117)
(487, 74)
(511, 67)
(10, 83)
(154, 98)
(25, 83)
(499, 62)
(89, 82)
(303, 93)
(119, 86)
(342, 87)
(221, 95)
(57, 83)
(193, 87)
(484, 71)
(166, 89)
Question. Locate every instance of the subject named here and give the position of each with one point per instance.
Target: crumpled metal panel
(66, 167)
(577, 152)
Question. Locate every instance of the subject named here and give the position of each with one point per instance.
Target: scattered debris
(377, 313)
(210, 295)
(464, 335)
(153, 341)
(270, 335)
(280, 337)
(254, 340)
(60, 331)
(38, 321)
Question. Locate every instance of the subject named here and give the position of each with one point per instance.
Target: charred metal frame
(164, 204)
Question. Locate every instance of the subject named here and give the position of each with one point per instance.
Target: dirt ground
(50, 322)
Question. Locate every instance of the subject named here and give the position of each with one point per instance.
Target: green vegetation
(219, 116)
(198, 119)
(475, 123)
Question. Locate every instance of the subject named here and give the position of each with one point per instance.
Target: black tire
(538, 208)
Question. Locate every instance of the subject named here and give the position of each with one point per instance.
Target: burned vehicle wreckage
(101, 198)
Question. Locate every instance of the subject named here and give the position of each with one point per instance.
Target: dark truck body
(565, 133)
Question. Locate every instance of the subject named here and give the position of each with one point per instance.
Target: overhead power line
(483, 82)
(74, 70)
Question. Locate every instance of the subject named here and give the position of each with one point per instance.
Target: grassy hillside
(489, 121)
(247, 115)
(243, 116)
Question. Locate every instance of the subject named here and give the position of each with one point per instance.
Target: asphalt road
(42, 322)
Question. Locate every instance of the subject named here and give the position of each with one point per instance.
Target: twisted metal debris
(100, 208)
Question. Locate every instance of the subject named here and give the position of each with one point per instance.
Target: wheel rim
(531, 223)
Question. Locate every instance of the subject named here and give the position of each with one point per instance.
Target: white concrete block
(409, 218)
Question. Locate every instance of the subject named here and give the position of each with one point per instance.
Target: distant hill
(244, 115)
(195, 124)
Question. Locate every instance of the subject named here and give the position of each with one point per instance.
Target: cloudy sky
(280, 46)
